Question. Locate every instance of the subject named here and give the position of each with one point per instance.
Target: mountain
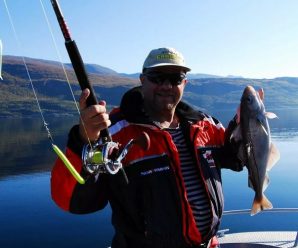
(224, 93)
(207, 92)
(51, 86)
(97, 69)
(200, 75)
(189, 75)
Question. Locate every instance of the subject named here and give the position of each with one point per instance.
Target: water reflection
(29, 217)
(24, 146)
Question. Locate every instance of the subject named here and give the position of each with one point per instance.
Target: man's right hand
(94, 118)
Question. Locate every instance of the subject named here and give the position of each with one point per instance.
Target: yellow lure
(69, 166)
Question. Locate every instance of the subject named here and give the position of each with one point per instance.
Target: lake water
(29, 218)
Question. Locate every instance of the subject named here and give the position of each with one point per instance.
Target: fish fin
(266, 182)
(236, 134)
(261, 94)
(264, 129)
(273, 157)
(270, 115)
(262, 125)
(259, 205)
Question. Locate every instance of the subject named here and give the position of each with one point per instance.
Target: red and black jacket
(152, 210)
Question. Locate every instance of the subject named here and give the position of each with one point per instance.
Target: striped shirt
(195, 190)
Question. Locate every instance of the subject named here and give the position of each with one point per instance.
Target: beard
(164, 104)
(170, 106)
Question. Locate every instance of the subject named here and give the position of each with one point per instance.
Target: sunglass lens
(176, 79)
(158, 78)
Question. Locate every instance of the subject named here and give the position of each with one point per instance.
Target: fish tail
(260, 204)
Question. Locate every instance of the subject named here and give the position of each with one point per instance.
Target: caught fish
(257, 151)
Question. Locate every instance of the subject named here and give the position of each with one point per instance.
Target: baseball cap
(165, 56)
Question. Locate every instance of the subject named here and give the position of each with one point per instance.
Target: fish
(256, 151)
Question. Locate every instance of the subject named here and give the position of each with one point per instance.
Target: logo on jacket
(155, 170)
(207, 155)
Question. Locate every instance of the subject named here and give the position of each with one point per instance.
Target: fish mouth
(249, 87)
(249, 90)
(248, 96)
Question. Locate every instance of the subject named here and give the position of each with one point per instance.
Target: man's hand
(93, 118)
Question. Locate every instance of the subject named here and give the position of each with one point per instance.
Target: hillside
(52, 89)
(225, 93)
(203, 91)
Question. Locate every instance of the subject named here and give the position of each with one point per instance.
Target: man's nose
(167, 83)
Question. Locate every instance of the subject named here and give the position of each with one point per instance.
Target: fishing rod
(104, 156)
(60, 154)
(78, 64)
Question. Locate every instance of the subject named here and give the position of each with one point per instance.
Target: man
(174, 195)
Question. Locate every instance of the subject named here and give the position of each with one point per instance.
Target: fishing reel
(107, 157)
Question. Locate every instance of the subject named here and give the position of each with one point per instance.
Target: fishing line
(63, 67)
(27, 72)
(60, 154)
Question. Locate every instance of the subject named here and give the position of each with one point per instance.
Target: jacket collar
(132, 107)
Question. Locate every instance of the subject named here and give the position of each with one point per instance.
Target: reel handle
(107, 157)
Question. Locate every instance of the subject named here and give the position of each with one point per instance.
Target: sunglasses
(159, 78)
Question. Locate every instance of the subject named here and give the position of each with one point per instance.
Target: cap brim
(168, 64)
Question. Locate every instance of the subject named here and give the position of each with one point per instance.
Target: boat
(258, 239)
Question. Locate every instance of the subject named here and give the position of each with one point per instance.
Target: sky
(248, 38)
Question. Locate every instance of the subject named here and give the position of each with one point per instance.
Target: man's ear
(142, 78)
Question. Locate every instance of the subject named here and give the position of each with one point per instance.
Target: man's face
(163, 88)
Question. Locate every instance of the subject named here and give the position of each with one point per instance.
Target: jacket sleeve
(229, 153)
(66, 192)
